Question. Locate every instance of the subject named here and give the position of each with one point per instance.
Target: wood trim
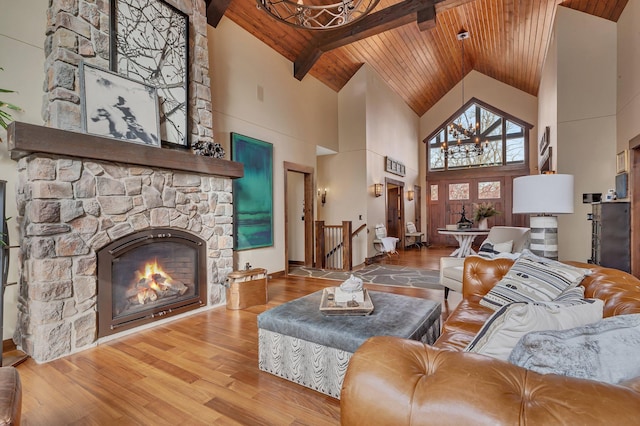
(634, 173)
(484, 105)
(24, 139)
(401, 219)
(347, 255)
(510, 170)
(518, 168)
(417, 207)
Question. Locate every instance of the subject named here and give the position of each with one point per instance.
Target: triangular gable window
(478, 135)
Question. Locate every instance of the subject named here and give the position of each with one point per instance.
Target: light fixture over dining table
(317, 14)
(457, 131)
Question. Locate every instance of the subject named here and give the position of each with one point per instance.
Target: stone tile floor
(401, 276)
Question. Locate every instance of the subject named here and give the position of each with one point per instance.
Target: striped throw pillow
(533, 279)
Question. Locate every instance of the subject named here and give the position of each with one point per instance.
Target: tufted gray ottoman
(298, 343)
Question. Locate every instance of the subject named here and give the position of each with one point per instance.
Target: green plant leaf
(5, 117)
(10, 106)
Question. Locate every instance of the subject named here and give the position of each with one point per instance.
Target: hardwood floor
(199, 370)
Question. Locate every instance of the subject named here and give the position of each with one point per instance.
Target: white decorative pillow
(607, 351)
(533, 279)
(491, 249)
(502, 331)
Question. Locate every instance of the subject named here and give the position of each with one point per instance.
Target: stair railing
(334, 246)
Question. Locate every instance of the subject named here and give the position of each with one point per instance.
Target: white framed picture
(118, 107)
(621, 162)
(150, 43)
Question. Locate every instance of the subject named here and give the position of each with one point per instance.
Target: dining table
(465, 238)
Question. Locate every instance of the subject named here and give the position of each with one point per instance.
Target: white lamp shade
(543, 194)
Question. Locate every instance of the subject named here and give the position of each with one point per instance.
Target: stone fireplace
(81, 195)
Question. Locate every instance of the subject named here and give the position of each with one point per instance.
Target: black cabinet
(611, 235)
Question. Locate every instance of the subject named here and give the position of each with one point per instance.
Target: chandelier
(317, 16)
(459, 132)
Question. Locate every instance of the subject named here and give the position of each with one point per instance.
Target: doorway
(395, 209)
(417, 206)
(298, 207)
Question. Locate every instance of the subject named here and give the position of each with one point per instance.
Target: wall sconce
(410, 194)
(323, 195)
(377, 189)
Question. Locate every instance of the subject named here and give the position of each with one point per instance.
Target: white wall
(345, 173)
(586, 87)
(22, 28)
(255, 94)
(392, 130)
(374, 123)
(628, 89)
(548, 100)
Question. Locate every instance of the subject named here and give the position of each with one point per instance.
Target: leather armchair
(402, 382)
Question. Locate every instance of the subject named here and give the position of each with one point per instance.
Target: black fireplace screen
(149, 275)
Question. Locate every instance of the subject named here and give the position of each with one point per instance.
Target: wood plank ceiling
(508, 42)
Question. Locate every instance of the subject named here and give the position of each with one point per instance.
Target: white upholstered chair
(451, 268)
(383, 243)
(414, 234)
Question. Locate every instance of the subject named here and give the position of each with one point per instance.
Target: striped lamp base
(544, 236)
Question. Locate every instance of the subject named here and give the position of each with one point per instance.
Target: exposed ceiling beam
(216, 10)
(427, 18)
(386, 19)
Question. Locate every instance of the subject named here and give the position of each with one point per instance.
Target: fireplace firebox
(149, 275)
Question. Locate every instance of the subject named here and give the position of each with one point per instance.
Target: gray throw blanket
(607, 351)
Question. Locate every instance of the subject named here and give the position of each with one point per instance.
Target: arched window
(478, 135)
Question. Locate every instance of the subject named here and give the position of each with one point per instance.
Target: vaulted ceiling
(420, 59)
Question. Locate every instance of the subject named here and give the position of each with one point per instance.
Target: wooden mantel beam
(24, 139)
(422, 11)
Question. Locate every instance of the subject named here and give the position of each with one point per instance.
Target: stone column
(79, 30)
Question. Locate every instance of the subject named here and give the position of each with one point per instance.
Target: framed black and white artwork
(150, 43)
(118, 107)
(394, 166)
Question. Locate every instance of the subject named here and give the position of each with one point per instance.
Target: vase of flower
(482, 212)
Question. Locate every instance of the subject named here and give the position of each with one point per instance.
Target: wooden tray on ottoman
(331, 307)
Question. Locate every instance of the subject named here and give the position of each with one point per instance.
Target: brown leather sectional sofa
(393, 381)
(10, 396)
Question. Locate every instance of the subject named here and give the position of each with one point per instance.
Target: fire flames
(152, 283)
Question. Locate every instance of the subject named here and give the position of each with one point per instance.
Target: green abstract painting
(253, 193)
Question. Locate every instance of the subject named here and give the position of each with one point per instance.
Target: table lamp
(543, 196)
